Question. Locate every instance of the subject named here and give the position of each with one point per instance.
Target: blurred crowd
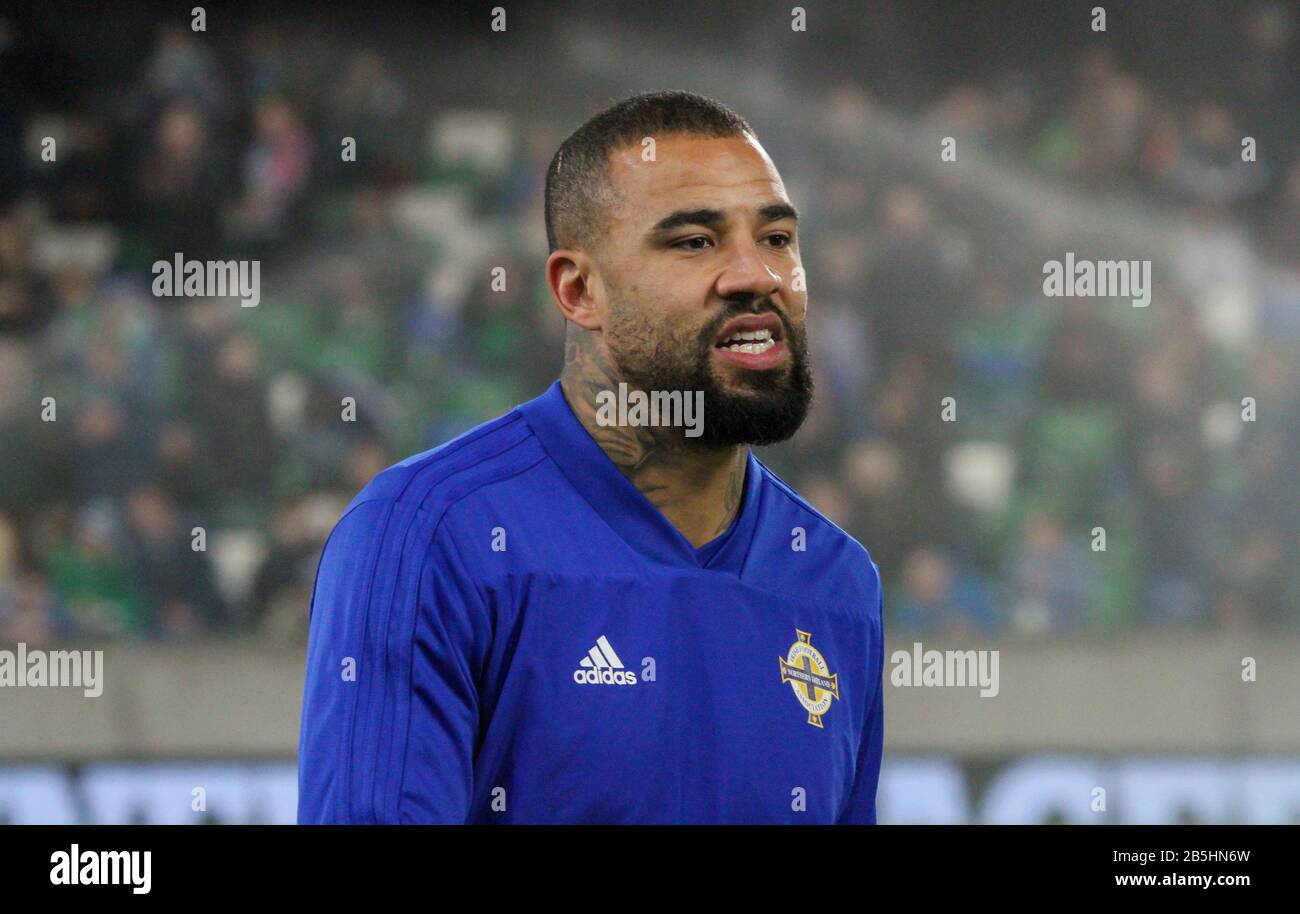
(170, 467)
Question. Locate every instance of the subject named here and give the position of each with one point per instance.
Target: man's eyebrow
(712, 218)
(774, 211)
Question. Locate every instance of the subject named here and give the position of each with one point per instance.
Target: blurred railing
(1159, 692)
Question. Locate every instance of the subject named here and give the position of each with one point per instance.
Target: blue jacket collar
(620, 503)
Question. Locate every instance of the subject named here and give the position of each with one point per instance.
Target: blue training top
(504, 629)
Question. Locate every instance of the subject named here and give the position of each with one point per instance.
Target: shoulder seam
(396, 498)
(472, 438)
(433, 535)
(802, 504)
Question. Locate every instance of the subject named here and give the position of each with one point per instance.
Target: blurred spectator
(236, 446)
(1048, 578)
(937, 597)
(181, 187)
(1209, 166)
(175, 580)
(29, 611)
(110, 451)
(291, 561)
(1085, 357)
(907, 290)
(276, 171)
(95, 579)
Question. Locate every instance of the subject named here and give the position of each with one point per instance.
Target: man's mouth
(752, 341)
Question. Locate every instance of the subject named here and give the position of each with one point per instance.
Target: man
(579, 613)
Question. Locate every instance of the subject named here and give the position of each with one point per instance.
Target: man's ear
(570, 277)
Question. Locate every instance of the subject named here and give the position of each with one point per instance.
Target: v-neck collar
(620, 503)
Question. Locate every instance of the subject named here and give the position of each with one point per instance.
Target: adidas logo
(601, 666)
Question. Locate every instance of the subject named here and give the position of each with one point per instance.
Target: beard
(759, 407)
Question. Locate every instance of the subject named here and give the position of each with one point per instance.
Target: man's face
(699, 266)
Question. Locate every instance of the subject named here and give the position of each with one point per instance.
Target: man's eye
(686, 241)
(784, 237)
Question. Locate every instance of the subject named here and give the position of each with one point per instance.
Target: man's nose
(747, 273)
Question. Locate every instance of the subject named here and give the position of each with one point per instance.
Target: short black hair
(578, 185)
